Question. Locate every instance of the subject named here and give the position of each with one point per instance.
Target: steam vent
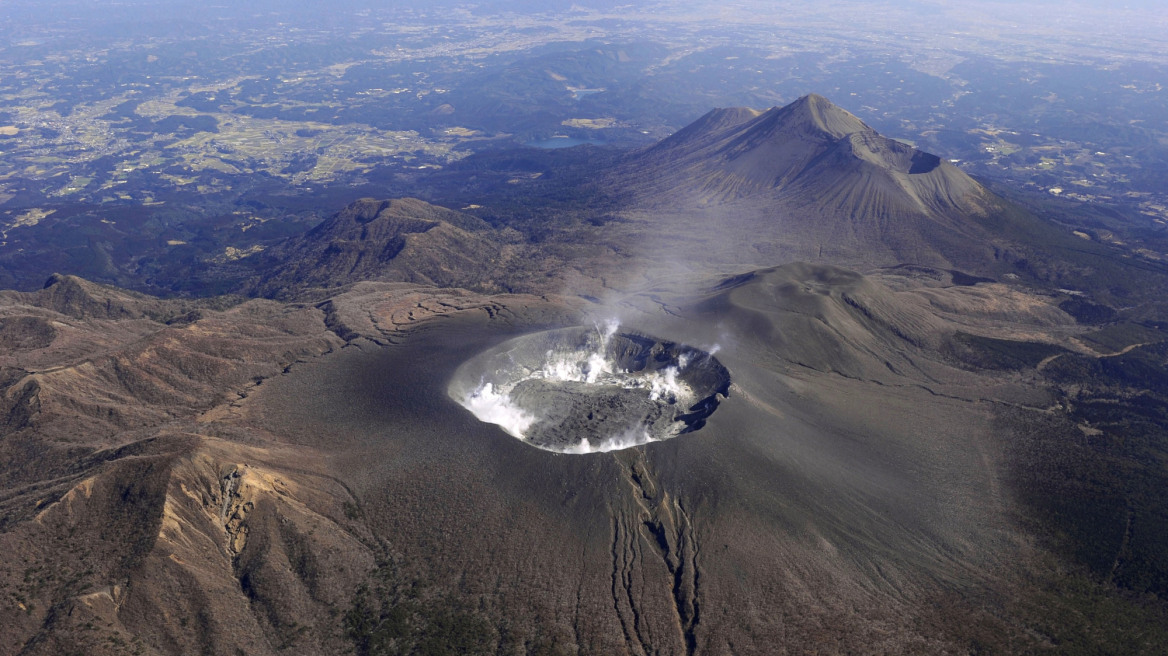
(588, 389)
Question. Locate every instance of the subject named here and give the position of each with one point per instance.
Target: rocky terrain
(944, 450)
(406, 239)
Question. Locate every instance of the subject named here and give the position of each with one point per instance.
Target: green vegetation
(389, 617)
(1097, 474)
(1085, 311)
(1001, 354)
(1093, 478)
(1081, 615)
(1117, 337)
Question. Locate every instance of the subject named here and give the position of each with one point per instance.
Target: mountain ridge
(404, 240)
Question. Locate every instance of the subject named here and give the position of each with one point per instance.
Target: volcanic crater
(589, 389)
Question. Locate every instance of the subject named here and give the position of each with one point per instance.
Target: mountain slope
(405, 240)
(818, 183)
(731, 153)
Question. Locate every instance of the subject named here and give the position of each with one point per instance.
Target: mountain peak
(816, 113)
(713, 122)
(403, 239)
(819, 178)
(81, 299)
(723, 117)
(736, 153)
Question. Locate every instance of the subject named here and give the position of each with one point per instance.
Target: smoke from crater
(590, 389)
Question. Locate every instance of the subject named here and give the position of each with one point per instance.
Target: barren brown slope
(828, 501)
(102, 468)
(138, 515)
(280, 478)
(402, 240)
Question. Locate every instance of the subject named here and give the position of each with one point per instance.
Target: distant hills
(738, 188)
(807, 181)
(406, 240)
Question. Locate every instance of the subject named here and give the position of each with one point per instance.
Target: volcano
(810, 149)
(582, 390)
(811, 181)
(896, 457)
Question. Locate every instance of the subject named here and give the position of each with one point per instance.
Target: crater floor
(588, 389)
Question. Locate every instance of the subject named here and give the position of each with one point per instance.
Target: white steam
(634, 436)
(494, 408)
(590, 364)
(577, 367)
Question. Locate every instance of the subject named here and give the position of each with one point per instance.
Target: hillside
(811, 181)
(406, 240)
